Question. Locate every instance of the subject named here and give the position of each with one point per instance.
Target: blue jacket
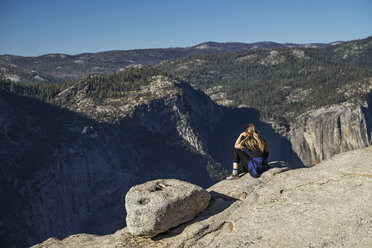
(256, 166)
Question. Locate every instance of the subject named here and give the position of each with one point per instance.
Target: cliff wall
(318, 135)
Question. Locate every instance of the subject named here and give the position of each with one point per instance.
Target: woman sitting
(255, 160)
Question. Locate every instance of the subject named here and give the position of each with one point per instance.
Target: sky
(36, 27)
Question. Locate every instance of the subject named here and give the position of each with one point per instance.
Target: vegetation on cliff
(282, 83)
(99, 87)
(99, 97)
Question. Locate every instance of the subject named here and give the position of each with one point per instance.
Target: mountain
(327, 205)
(282, 83)
(70, 152)
(61, 67)
(316, 98)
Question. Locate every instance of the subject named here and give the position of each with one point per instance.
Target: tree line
(281, 83)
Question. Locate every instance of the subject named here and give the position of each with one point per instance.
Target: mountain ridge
(217, 44)
(281, 83)
(56, 67)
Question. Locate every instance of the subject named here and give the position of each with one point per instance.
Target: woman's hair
(253, 140)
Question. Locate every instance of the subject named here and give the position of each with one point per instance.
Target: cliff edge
(327, 205)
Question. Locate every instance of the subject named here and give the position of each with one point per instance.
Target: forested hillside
(282, 83)
(50, 68)
(99, 87)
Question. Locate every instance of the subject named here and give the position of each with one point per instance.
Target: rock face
(73, 172)
(156, 206)
(327, 205)
(321, 134)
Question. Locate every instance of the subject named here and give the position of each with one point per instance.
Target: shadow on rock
(218, 203)
(282, 165)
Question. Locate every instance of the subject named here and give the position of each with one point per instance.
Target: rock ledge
(327, 205)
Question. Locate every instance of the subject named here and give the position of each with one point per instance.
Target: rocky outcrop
(162, 105)
(156, 206)
(318, 135)
(327, 205)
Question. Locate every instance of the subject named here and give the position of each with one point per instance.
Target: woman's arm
(238, 140)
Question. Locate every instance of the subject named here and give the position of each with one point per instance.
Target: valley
(72, 146)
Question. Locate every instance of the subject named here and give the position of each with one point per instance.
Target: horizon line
(176, 47)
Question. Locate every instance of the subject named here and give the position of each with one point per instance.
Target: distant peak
(55, 55)
(208, 45)
(336, 43)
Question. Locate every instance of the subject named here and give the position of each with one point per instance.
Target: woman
(255, 162)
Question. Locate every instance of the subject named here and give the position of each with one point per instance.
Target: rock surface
(327, 205)
(156, 206)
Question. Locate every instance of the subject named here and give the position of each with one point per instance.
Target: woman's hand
(238, 144)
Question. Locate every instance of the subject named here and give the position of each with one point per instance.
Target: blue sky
(36, 27)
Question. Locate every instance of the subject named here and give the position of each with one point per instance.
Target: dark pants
(241, 157)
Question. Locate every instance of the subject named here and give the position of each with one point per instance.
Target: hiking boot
(232, 177)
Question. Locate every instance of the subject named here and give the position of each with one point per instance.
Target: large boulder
(156, 206)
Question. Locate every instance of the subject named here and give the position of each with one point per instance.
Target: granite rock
(158, 205)
(320, 134)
